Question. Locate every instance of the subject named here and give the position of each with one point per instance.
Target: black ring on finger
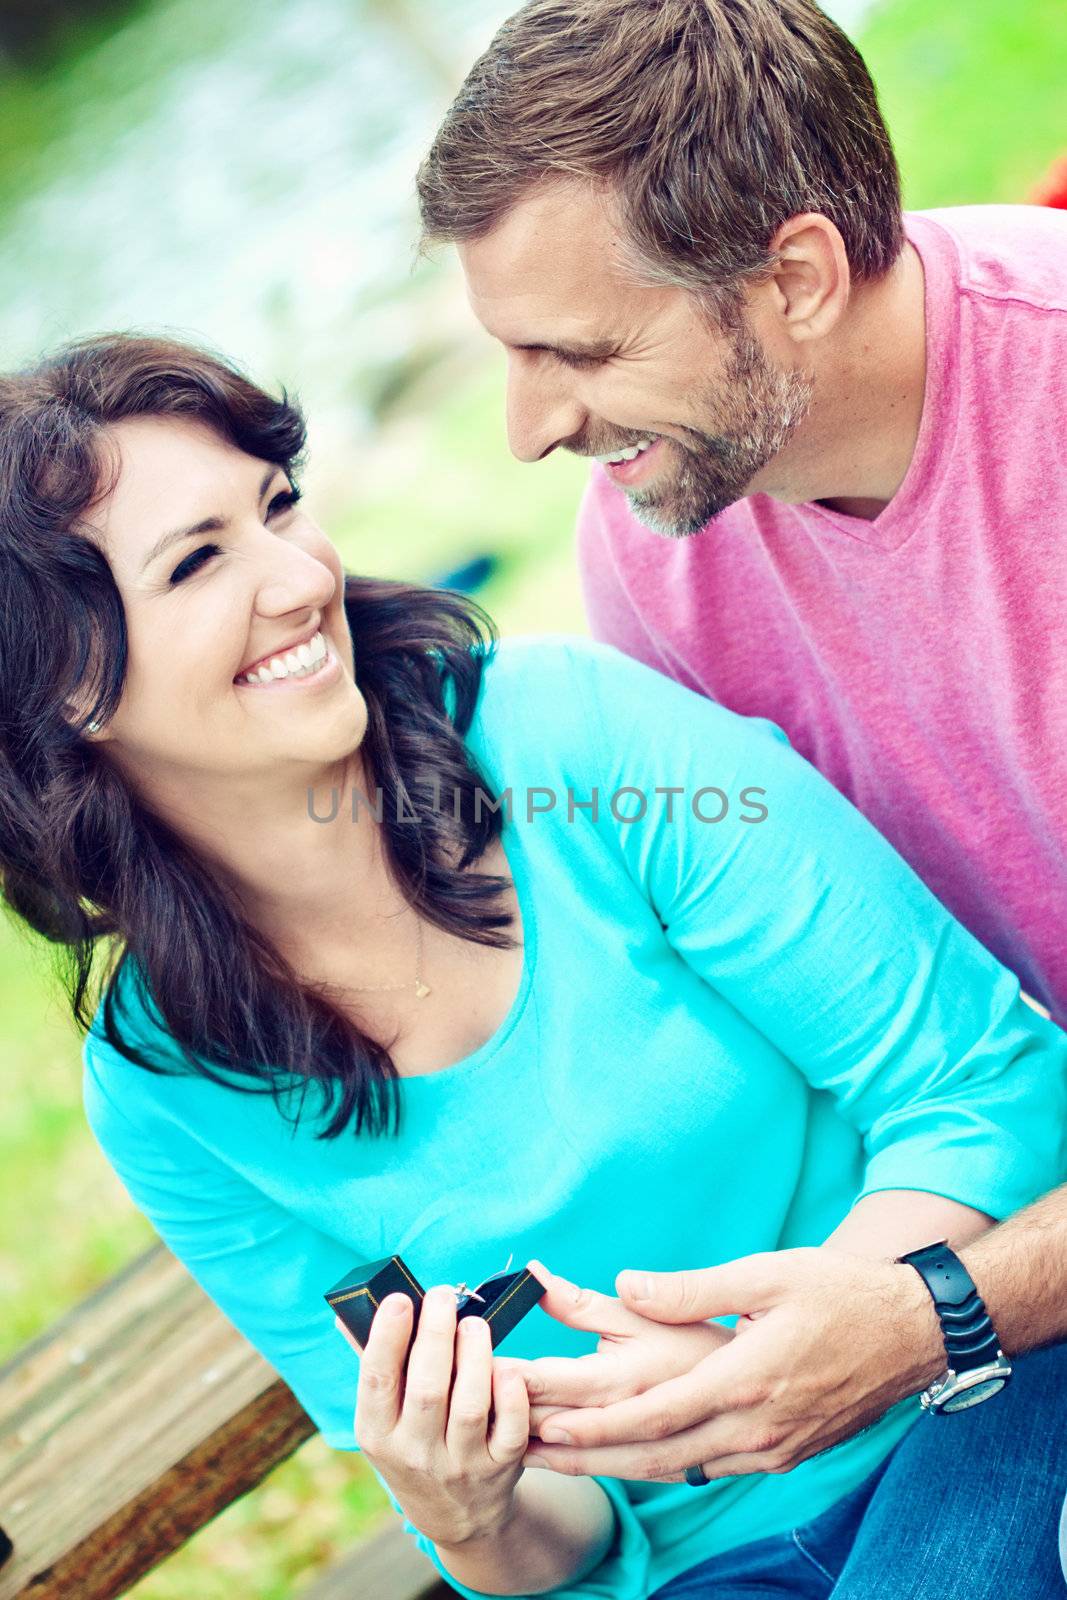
(696, 1476)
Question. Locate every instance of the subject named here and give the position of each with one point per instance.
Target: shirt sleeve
(793, 907)
(621, 1574)
(266, 1270)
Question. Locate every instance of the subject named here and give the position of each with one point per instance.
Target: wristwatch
(977, 1366)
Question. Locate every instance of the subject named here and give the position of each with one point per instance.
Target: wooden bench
(132, 1422)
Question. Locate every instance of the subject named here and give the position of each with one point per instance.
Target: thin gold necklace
(421, 989)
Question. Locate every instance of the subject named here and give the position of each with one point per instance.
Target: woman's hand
(453, 1474)
(634, 1353)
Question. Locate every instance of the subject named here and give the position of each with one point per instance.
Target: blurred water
(848, 13)
(242, 174)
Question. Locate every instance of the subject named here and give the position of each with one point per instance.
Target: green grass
(978, 108)
(445, 488)
(974, 92)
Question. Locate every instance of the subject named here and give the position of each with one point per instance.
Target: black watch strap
(970, 1340)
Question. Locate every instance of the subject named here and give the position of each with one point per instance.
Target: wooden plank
(126, 1427)
(388, 1567)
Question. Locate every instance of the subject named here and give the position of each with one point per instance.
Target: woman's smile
(313, 663)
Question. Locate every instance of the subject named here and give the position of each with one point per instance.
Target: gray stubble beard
(758, 408)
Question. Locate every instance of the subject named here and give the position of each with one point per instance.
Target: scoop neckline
(515, 856)
(517, 866)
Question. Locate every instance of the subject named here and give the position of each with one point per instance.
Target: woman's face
(218, 568)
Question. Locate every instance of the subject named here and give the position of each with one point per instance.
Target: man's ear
(810, 282)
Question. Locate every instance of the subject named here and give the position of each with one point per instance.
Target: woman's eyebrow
(207, 525)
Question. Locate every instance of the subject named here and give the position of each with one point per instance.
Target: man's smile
(635, 465)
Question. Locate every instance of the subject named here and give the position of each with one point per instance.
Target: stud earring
(93, 727)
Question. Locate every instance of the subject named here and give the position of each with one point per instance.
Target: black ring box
(503, 1300)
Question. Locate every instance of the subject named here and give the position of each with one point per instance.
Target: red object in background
(1052, 189)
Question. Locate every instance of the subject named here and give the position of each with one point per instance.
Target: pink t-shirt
(919, 660)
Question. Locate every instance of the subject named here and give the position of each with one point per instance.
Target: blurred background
(242, 175)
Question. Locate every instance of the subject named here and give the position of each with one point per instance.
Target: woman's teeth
(300, 662)
(625, 455)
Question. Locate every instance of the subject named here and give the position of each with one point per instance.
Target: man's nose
(542, 411)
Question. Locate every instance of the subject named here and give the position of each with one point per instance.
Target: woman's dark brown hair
(84, 861)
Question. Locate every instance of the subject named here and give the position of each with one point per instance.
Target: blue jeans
(966, 1507)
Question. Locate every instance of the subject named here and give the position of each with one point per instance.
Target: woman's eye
(284, 501)
(194, 562)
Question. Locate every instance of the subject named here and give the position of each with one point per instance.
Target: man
(831, 490)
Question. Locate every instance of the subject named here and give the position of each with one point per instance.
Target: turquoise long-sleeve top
(725, 1032)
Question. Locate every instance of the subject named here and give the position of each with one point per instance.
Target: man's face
(686, 417)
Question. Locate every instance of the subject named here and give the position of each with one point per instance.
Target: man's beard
(754, 410)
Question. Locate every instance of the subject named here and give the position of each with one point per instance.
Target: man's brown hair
(711, 121)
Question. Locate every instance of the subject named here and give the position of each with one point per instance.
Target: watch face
(974, 1396)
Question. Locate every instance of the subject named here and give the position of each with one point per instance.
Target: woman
(577, 964)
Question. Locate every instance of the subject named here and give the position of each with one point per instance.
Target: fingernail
(638, 1285)
(394, 1305)
(471, 1325)
(555, 1436)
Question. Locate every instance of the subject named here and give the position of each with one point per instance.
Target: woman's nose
(293, 579)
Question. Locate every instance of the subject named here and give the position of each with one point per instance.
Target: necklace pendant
(421, 990)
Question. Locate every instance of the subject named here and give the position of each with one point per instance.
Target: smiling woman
(621, 1036)
(179, 693)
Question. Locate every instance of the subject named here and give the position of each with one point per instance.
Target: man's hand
(633, 1353)
(829, 1342)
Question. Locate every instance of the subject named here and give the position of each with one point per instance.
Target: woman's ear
(75, 714)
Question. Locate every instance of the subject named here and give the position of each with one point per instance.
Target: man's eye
(194, 562)
(579, 362)
(283, 501)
